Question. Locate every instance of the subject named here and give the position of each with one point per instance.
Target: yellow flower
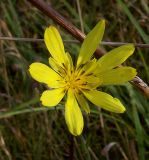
(80, 81)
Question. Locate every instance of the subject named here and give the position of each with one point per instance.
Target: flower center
(73, 81)
(79, 79)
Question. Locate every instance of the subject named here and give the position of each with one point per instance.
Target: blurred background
(29, 131)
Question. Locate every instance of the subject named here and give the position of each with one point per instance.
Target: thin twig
(141, 45)
(21, 39)
(80, 15)
(53, 14)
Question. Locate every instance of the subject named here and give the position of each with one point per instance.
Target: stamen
(84, 83)
(89, 74)
(81, 66)
(63, 65)
(83, 72)
(77, 79)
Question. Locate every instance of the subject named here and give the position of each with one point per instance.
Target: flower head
(80, 81)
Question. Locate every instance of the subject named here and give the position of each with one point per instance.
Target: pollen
(73, 81)
(78, 80)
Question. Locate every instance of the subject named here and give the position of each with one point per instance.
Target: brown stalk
(74, 31)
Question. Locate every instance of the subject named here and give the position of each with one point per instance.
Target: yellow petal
(54, 44)
(56, 66)
(89, 67)
(69, 62)
(83, 102)
(104, 101)
(114, 58)
(93, 79)
(117, 76)
(73, 115)
(52, 97)
(91, 82)
(42, 73)
(91, 42)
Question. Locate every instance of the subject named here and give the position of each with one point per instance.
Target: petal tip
(47, 30)
(42, 99)
(131, 47)
(50, 27)
(51, 98)
(76, 133)
(31, 68)
(103, 21)
(44, 103)
(133, 72)
(122, 109)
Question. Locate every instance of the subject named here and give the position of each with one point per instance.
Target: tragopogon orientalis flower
(80, 81)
